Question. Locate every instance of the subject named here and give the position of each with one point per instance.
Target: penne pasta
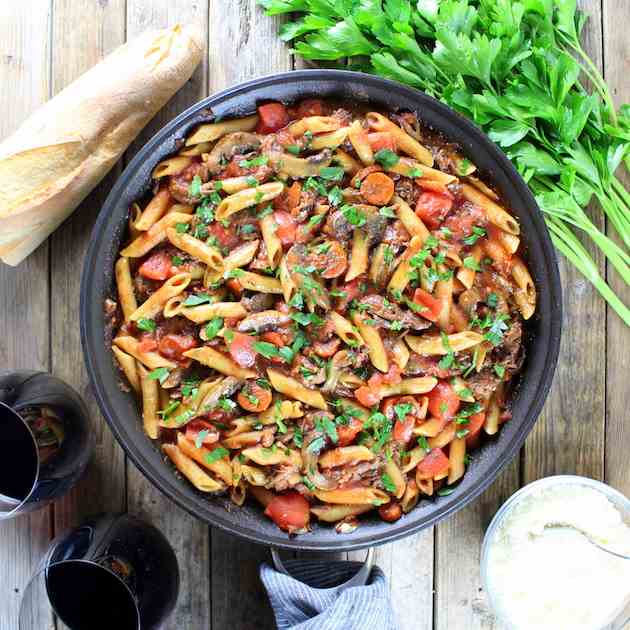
(273, 457)
(286, 282)
(211, 256)
(412, 222)
(294, 389)
(404, 141)
(456, 455)
(218, 361)
(400, 354)
(400, 278)
(314, 124)
(156, 301)
(345, 330)
(206, 312)
(372, 339)
(466, 275)
(220, 467)
(144, 243)
(128, 366)
(345, 455)
(124, 284)
(150, 403)
(155, 210)
(330, 140)
(347, 162)
(494, 212)
(435, 345)
(209, 132)
(359, 140)
(192, 471)
(525, 295)
(359, 255)
(241, 255)
(171, 166)
(272, 242)
(257, 282)
(353, 496)
(152, 360)
(247, 198)
(333, 513)
(411, 386)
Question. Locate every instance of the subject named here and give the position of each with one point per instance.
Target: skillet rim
(163, 477)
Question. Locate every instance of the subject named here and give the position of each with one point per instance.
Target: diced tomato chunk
(432, 208)
(147, 344)
(348, 432)
(310, 107)
(173, 346)
(254, 397)
(403, 430)
(286, 227)
(367, 396)
(242, 349)
(432, 305)
(157, 267)
(382, 140)
(226, 237)
(194, 428)
(443, 401)
(290, 511)
(434, 463)
(272, 117)
(475, 422)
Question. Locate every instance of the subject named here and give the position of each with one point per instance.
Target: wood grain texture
(616, 64)
(24, 290)
(84, 33)
(242, 44)
(189, 536)
(569, 435)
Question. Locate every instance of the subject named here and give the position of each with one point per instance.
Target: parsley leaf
(333, 173)
(388, 484)
(159, 374)
(353, 215)
(216, 454)
(386, 158)
(146, 324)
(197, 298)
(213, 327)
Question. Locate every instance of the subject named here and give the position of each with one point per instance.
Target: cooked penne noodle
(477, 183)
(262, 495)
(345, 330)
(243, 440)
(286, 282)
(206, 312)
(211, 256)
(220, 467)
(333, 513)
(400, 278)
(150, 403)
(400, 354)
(358, 256)
(314, 124)
(425, 486)
(257, 282)
(299, 168)
(218, 361)
(359, 140)
(525, 295)
(152, 360)
(330, 140)
(171, 166)
(247, 198)
(404, 141)
(493, 413)
(241, 256)
(444, 437)
(412, 222)
(272, 242)
(444, 292)
(294, 389)
(413, 458)
(155, 210)
(509, 242)
(273, 457)
(345, 455)
(347, 162)
(154, 235)
(155, 302)
(197, 149)
(494, 212)
(372, 338)
(466, 275)
(429, 428)
(410, 498)
(494, 250)
(134, 214)
(124, 285)
(128, 366)
(200, 479)
(213, 131)
(254, 475)
(434, 345)
(283, 410)
(396, 477)
(456, 455)
(353, 496)
(411, 386)
(352, 408)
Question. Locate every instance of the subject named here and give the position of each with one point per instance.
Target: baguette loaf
(50, 164)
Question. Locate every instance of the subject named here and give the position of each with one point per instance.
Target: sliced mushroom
(263, 321)
(232, 144)
(381, 307)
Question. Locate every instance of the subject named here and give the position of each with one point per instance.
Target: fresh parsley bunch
(517, 70)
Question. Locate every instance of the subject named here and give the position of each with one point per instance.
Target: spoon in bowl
(560, 527)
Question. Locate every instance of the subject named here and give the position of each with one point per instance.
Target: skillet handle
(321, 571)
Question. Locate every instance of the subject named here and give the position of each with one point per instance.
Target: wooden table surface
(434, 576)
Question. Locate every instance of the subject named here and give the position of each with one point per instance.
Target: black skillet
(542, 338)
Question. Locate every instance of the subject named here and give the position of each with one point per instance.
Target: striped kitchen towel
(301, 607)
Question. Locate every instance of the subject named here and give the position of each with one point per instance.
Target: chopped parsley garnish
(333, 173)
(423, 443)
(449, 358)
(294, 149)
(197, 298)
(308, 483)
(492, 300)
(471, 263)
(497, 329)
(335, 196)
(261, 160)
(190, 387)
(159, 374)
(250, 180)
(146, 324)
(235, 273)
(388, 484)
(464, 167)
(268, 350)
(325, 424)
(353, 215)
(402, 410)
(339, 294)
(464, 393)
(304, 319)
(297, 301)
(386, 158)
(381, 428)
(462, 433)
(182, 228)
(213, 327)
(201, 436)
(298, 437)
(414, 172)
(444, 492)
(177, 261)
(315, 219)
(499, 370)
(477, 233)
(388, 211)
(312, 183)
(194, 190)
(216, 454)
(316, 445)
(267, 210)
(201, 231)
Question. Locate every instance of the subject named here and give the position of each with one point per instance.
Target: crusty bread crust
(64, 149)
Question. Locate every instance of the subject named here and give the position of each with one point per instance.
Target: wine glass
(45, 440)
(114, 571)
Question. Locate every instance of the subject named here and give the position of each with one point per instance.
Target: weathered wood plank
(24, 291)
(188, 536)
(616, 63)
(569, 436)
(242, 45)
(94, 30)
